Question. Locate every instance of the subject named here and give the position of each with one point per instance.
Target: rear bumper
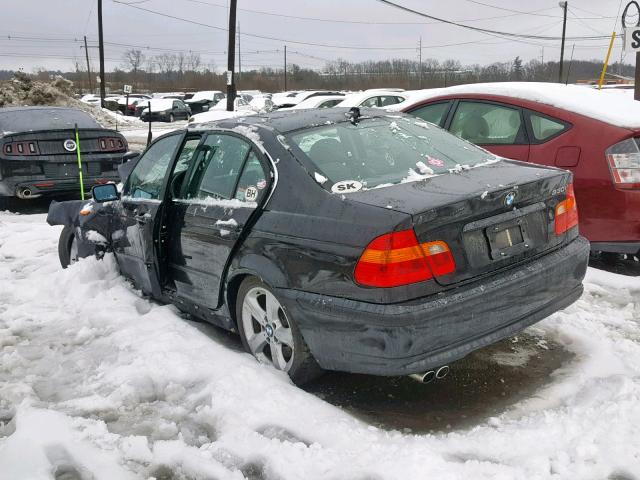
(631, 248)
(16, 186)
(413, 337)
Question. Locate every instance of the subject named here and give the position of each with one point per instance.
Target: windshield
(383, 151)
(32, 119)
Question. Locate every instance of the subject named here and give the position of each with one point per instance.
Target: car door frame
(200, 307)
(151, 247)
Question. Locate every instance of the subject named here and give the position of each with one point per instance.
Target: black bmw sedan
(340, 239)
(38, 151)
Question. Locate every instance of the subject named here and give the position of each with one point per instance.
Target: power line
(355, 22)
(483, 30)
(535, 12)
(265, 37)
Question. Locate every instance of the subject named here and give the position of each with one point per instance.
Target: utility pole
(86, 52)
(231, 58)
(285, 68)
(101, 47)
(420, 62)
(562, 5)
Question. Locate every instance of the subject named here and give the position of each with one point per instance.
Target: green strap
(79, 163)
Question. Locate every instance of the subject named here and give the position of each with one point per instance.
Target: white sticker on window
(346, 186)
(251, 194)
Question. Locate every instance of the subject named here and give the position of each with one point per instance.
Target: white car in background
(240, 109)
(374, 99)
(323, 101)
(294, 98)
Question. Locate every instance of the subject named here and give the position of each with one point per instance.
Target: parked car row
(435, 223)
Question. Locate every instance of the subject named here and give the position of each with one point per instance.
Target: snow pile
(98, 382)
(590, 102)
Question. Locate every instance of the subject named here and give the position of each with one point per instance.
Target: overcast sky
(47, 33)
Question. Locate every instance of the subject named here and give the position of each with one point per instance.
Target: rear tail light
(566, 212)
(397, 258)
(20, 148)
(624, 163)
(111, 144)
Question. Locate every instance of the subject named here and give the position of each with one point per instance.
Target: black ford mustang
(38, 151)
(346, 240)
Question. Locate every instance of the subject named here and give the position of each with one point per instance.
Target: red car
(594, 134)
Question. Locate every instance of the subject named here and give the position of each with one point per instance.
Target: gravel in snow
(96, 380)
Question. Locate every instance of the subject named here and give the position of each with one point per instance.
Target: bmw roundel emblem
(70, 145)
(510, 199)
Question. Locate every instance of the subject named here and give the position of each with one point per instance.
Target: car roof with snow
(582, 100)
(291, 120)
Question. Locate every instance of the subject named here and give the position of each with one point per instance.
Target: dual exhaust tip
(24, 193)
(431, 375)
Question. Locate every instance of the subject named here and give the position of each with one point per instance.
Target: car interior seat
(475, 129)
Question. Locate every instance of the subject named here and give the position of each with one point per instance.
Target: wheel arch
(251, 265)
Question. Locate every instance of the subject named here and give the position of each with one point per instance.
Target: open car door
(136, 235)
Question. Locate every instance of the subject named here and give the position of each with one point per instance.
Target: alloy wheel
(267, 329)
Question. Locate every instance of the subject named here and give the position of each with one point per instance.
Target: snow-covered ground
(99, 383)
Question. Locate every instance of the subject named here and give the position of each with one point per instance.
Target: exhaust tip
(442, 372)
(426, 377)
(24, 193)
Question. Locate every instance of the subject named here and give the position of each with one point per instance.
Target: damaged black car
(38, 152)
(342, 240)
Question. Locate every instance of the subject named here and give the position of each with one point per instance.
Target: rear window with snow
(33, 119)
(382, 151)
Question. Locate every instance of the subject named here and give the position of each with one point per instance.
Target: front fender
(92, 230)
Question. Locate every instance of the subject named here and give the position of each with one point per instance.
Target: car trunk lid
(492, 216)
(55, 150)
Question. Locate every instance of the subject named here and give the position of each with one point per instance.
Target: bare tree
(133, 59)
(166, 62)
(194, 61)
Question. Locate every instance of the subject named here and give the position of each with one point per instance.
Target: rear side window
(433, 113)
(385, 150)
(488, 124)
(253, 181)
(544, 127)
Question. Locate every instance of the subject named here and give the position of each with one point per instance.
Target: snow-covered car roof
(314, 102)
(617, 110)
(214, 114)
(356, 99)
(158, 104)
(204, 95)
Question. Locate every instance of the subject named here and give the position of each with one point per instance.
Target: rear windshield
(386, 150)
(44, 119)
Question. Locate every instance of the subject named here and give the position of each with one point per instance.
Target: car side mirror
(105, 193)
(127, 157)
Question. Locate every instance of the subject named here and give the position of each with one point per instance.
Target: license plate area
(507, 239)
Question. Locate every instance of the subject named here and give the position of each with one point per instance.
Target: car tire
(171, 118)
(300, 364)
(66, 247)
